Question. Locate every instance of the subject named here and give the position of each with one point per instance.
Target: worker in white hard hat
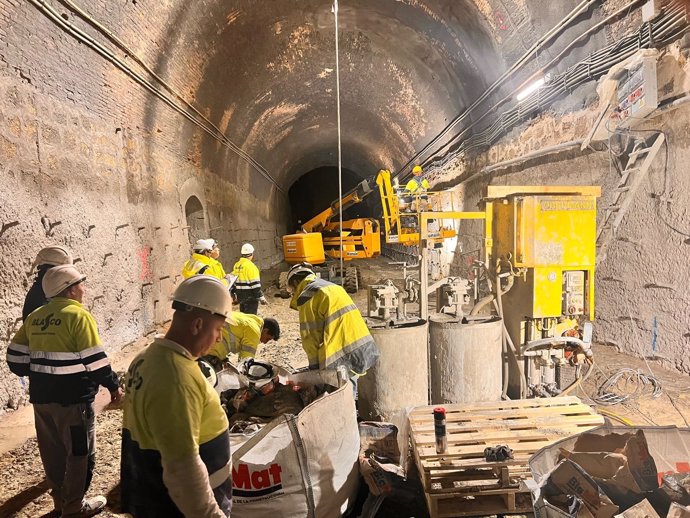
(204, 261)
(45, 260)
(60, 350)
(332, 329)
(242, 335)
(247, 287)
(175, 445)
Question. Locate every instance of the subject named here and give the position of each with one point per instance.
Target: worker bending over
(241, 335)
(46, 259)
(247, 288)
(332, 329)
(175, 444)
(60, 350)
(204, 261)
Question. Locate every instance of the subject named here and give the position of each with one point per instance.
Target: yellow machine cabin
(320, 236)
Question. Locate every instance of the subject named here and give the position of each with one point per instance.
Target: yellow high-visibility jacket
(415, 185)
(247, 288)
(171, 415)
(60, 350)
(332, 329)
(241, 334)
(201, 264)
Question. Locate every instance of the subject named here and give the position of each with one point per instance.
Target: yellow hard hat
(417, 170)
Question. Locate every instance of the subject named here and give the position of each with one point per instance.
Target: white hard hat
(59, 278)
(54, 256)
(299, 268)
(247, 249)
(204, 244)
(205, 292)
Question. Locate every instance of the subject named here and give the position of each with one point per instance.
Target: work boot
(89, 507)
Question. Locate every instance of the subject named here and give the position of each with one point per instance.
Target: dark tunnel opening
(314, 191)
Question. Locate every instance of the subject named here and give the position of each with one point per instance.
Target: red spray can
(440, 429)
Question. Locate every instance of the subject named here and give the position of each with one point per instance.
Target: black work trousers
(250, 307)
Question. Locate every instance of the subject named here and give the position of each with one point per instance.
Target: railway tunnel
(130, 129)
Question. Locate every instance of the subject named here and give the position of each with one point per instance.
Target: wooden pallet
(460, 482)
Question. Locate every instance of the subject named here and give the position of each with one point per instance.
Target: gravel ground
(22, 488)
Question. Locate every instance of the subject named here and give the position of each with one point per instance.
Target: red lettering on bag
(242, 478)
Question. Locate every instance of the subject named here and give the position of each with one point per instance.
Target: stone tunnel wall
(83, 163)
(644, 277)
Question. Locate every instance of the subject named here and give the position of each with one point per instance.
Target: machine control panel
(574, 292)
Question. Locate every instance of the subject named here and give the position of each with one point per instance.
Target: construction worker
(418, 183)
(242, 335)
(58, 347)
(204, 260)
(247, 288)
(45, 260)
(175, 444)
(332, 329)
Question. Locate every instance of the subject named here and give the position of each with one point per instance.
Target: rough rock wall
(644, 278)
(83, 164)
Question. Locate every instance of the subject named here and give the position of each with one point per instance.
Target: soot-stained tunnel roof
(266, 77)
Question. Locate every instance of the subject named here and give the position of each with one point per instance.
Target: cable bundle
(627, 385)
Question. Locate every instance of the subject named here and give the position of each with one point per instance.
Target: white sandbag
(306, 464)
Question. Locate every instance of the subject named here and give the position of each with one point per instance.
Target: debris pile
(602, 476)
(262, 396)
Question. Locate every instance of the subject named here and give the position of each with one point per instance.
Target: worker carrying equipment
(204, 261)
(332, 329)
(46, 259)
(242, 335)
(175, 446)
(247, 287)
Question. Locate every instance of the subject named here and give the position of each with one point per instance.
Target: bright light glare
(531, 89)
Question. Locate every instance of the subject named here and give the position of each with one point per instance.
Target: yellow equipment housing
(305, 247)
(546, 238)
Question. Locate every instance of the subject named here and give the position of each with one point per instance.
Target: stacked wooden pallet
(460, 482)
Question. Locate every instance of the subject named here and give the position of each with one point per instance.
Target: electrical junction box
(637, 92)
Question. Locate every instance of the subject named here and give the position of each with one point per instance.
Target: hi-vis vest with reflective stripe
(332, 329)
(416, 184)
(248, 284)
(170, 412)
(200, 264)
(58, 347)
(241, 334)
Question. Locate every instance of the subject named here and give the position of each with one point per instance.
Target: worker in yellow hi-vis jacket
(242, 335)
(175, 445)
(59, 349)
(247, 288)
(204, 261)
(332, 329)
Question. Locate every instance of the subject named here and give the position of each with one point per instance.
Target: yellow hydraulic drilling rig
(539, 256)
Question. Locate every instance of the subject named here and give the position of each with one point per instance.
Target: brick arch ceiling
(264, 72)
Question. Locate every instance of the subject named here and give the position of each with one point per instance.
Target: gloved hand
(263, 301)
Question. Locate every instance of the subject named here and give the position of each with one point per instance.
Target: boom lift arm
(356, 195)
